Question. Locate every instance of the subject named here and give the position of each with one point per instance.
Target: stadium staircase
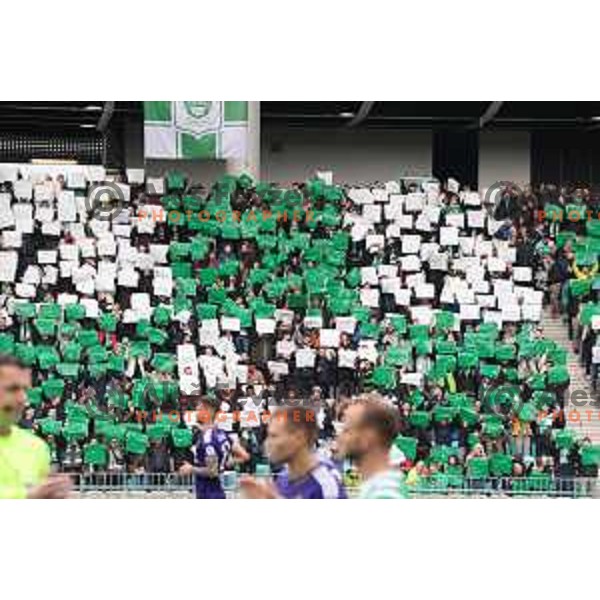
(556, 330)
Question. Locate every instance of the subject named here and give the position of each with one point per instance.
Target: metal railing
(172, 485)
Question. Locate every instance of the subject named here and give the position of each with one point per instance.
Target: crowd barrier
(169, 485)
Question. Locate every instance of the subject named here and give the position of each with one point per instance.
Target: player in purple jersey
(291, 440)
(213, 452)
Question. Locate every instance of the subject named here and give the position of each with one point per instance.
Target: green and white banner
(196, 129)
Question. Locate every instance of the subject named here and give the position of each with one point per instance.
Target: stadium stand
(431, 295)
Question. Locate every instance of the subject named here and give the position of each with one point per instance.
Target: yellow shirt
(24, 462)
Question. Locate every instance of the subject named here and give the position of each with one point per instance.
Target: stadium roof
(69, 116)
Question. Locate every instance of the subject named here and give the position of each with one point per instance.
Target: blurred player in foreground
(24, 458)
(291, 440)
(213, 454)
(369, 429)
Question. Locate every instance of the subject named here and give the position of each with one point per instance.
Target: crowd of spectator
(129, 310)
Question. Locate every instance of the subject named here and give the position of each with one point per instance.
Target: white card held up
(411, 244)
(64, 299)
(422, 223)
(8, 173)
(390, 285)
(347, 358)
(392, 231)
(438, 261)
(12, 239)
(25, 290)
(140, 304)
(596, 354)
(522, 273)
(129, 277)
(427, 249)
(476, 219)
(53, 228)
(392, 211)
(415, 202)
(67, 208)
(403, 297)
(50, 275)
(453, 185)
(387, 270)
(87, 246)
(345, 324)
(44, 214)
(23, 214)
(305, 358)
(92, 311)
(7, 218)
(372, 213)
(325, 176)
(285, 348)
(531, 312)
(155, 185)
(367, 350)
(455, 219)
(159, 253)
(368, 276)
(448, 236)
(405, 222)
(208, 337)
(465, 296)
(496, 265)
(493, 316)
(87, 287)
(284, 316)
(369, 297)
(135, 176)
(313, 322)
(329, 338)
(510, 312)
(421, 315)
(425, 290)
(432, 213)
(361, 195)
(380, 195)
(67, 267)
(95, 173)
(278, 368)
(411, 263)
(415, 279)
(47, 257)
(265, 326)
(375, 243)
(472, 199)
(469, 312)
(414, 379)
(23, 189)
(487, 300)
(230, 324)
(107, 245)
(76, 179)
(467, 245)
(123, 231)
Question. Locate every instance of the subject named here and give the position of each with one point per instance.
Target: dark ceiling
(69, 116)
(529, 115)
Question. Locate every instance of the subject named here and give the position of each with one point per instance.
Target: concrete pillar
(251, 164)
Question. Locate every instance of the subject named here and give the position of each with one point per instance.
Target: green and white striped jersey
(387, 485)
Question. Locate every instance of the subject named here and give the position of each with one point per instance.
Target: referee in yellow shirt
(24, 458)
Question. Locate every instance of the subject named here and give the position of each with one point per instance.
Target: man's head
(291, 431)
(208, 408)
(15, 380)
(370, 425)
